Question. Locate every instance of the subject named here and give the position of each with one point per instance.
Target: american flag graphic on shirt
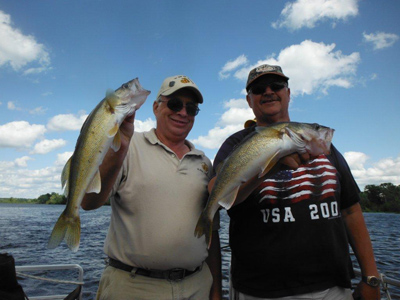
(316, 180)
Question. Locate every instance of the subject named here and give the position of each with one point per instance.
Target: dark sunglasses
(260, 88)
(176, 104)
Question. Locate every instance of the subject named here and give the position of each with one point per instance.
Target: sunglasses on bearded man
(260, 88)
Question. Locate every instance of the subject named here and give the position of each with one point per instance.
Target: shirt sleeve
(350, 192)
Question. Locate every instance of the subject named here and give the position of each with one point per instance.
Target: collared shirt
(156, 202)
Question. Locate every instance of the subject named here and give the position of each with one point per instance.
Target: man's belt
(172, 274)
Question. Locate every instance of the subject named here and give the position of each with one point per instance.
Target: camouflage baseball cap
(264, 70)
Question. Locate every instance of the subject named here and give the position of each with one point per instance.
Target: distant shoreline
(32, 201)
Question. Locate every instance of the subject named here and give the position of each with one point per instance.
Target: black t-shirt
(288, 237)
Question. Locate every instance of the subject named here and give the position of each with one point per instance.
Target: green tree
(44, 198)
(374, 194)
(56, 199)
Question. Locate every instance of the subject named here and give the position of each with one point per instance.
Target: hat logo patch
(265, 69)
(185, 80)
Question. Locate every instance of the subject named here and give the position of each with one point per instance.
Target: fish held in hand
(257, 154)
(81, 172)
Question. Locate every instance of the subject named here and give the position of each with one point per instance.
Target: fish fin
(68, 229)
(116, 144)
(228, 199)
(113, 131)
(65, 176)
(269, 164)
(95, 185)
(204, 227)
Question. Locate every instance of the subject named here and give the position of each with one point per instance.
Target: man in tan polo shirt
(157, 183)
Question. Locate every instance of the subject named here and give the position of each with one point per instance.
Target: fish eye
(125, 86)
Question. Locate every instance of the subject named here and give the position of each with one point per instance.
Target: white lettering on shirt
(318, 211)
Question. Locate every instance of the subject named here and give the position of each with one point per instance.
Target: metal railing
(20, 270)
(385, 281)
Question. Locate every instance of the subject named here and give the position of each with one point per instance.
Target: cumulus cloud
(16, 180)
(19, 50)
(20, 134)
(385, 170)
(232, 65)
(144, 125)
(22, 161)
(312, 67)
(380, 40)
(66, 122)
(231, 121)
(38, 111)
(47, 146)
(308, 13)
(25, 183)
(12, 106)
(62, 158)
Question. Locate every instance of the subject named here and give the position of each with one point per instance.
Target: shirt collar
(153, 139)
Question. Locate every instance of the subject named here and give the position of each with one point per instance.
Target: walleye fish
(81, 172)
(257, 154)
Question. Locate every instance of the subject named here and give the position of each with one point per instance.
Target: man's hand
(127, 129)
(366, 292)
(294, 160)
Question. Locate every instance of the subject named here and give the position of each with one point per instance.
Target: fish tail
(68, 229)
(204, 227)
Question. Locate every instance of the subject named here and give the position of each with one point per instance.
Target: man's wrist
(372, 281)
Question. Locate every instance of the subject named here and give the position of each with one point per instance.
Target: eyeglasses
(260, 88)
(176, 104)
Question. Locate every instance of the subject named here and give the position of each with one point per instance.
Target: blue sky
(58, 58)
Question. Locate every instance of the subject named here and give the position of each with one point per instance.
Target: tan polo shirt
(156, 202)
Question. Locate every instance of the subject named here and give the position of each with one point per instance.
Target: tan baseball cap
(264, 70)
(174, 83)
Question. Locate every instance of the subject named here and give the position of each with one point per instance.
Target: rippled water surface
(25, 229)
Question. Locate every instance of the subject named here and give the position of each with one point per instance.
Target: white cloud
(38, 111)
(356, 160)
(47, 146)
(11, 106)
(232, 65)
(216, 136)
(231, 121)
(385, 170)
(307, 13)
(236, 115)
(63, 158)
(66, 122)
(25, 183)
(380, 40)
(20, 134)
(18, 181)
(19, 50)
(144, 125)
(312, 67)
(22, 161)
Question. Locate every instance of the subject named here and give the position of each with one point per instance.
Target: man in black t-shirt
(290, 231)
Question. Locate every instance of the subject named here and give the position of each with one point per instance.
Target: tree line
(381, 198)
(375, 198)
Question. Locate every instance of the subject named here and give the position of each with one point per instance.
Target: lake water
(25, 230)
